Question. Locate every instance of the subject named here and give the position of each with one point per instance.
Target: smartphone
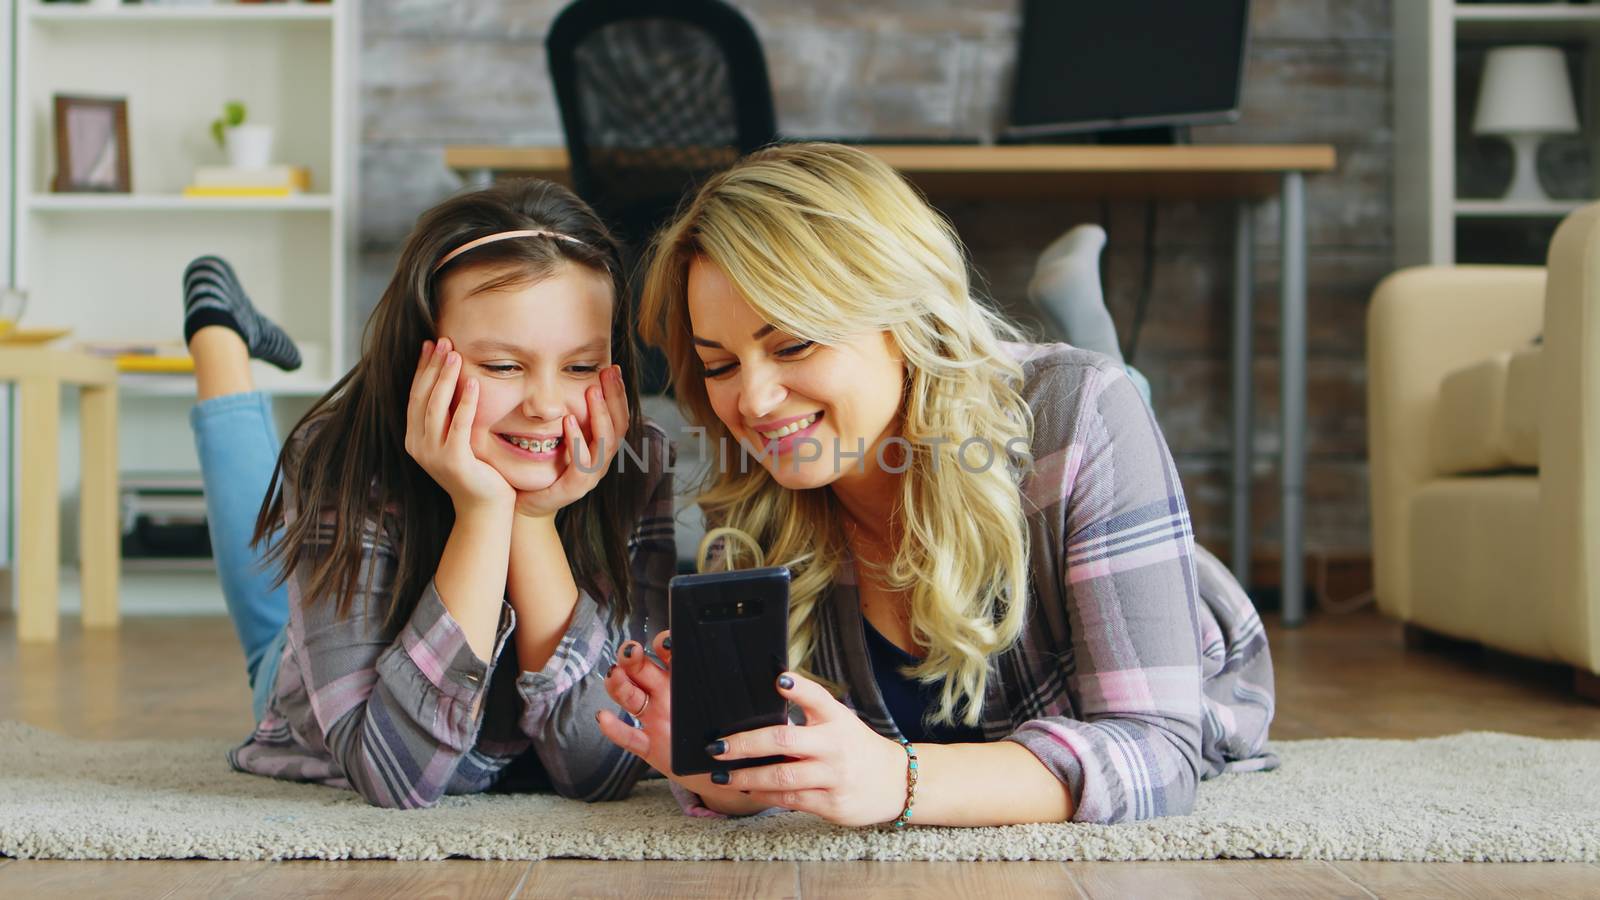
(730, 642)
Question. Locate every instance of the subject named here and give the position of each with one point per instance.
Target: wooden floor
(1340, 676)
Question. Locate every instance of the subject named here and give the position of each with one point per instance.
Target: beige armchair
(1485, 451)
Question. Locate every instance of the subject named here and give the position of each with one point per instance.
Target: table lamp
(1524, 97)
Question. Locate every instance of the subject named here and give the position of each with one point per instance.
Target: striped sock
(212, 295)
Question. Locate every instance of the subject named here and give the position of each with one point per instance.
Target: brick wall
(435, 73)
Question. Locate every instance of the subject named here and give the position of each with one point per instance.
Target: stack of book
(163, 357)
(268, 181)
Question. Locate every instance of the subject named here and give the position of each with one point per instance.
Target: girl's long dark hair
(344, 470)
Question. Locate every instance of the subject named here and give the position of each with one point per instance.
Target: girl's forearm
(471, 578)
(542, 590)
(1001, 783)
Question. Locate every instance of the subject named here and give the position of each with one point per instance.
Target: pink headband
(501, 236)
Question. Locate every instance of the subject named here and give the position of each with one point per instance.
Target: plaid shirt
(1143, 667)
(406, 720)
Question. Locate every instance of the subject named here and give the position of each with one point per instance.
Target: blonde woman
(998, 613)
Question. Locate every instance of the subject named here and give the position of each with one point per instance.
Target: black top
(907, 699)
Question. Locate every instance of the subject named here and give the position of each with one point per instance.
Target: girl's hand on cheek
(440, 439)
(587, 460)
(839, 769)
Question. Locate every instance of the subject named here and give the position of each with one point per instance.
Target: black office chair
(655, 95)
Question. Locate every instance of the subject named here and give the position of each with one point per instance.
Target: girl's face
(773, 390)
(534, 347)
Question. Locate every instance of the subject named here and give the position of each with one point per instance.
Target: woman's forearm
(542, 590)
(1000, 783)
(471, 578)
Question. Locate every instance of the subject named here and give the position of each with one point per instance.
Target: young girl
(458, 564)
(998, 613)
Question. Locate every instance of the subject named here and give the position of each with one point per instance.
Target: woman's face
(774, 391)
(534, 347)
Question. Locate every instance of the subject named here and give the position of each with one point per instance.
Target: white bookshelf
(109, 266)
(1427, 35)
(290, 63)
(1523, 21)
(111, 203)
(1499, 209)
(7, 429)
(141, 14)
(268, 379)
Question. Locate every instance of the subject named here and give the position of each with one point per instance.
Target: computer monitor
(1103, 65)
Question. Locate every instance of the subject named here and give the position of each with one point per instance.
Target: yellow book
(145, 362)
(266, 176)
(196, 190)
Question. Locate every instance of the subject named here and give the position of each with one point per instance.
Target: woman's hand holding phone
(839, 769)
(645, 689)
(440, 439)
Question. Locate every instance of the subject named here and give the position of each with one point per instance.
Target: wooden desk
(1244, 174)
(1016, 171)
(41, 373)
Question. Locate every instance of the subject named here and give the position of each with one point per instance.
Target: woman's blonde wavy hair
(827, 242)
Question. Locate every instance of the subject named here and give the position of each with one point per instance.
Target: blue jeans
(238, 447)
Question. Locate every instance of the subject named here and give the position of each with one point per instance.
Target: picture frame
(91, 145)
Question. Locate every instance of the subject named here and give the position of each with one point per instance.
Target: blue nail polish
(666, 642)
(785, 682)
(717, 748)
(719, 777)
(627, 651)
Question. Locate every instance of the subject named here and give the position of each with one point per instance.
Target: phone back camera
(731, 610)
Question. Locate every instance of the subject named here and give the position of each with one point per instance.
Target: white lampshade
(1525, 91)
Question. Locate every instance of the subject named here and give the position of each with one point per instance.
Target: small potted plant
(249, 146)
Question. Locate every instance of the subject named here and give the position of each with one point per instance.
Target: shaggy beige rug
(1477, 796)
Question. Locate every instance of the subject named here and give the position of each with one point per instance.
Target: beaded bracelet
(911, 784)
